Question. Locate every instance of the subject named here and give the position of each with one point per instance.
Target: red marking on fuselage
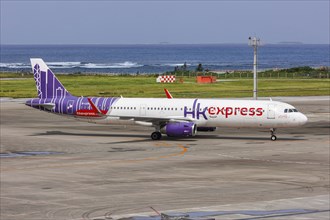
(227, 111)
(89, 113)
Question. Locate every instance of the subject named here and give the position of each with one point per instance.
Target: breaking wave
(176, 64)
(126, 64)
(15, 65)
(170, 64)
(63, 65)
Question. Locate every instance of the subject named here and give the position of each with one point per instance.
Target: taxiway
(94, 172)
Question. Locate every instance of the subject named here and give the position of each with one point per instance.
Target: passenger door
(143, 109)
(271, 111)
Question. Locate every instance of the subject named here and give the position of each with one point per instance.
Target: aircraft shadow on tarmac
(165, 138)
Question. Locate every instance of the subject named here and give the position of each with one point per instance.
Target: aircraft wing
(168, 94)
(96, 110)
(154, 120)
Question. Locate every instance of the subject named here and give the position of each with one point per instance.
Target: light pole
(255, 42)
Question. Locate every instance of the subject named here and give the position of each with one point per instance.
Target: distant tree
(199, 68)
(184, 66)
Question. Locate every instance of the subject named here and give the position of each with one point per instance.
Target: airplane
(175, 117)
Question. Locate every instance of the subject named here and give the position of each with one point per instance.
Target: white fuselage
(204, 112)
(171, 116)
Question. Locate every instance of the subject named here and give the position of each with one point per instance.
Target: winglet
(168, 94)
(95, 108)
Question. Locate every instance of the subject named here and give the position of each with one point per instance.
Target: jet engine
(179, 129)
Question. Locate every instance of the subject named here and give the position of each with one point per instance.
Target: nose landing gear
(273, 136)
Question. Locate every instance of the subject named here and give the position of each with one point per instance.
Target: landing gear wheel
(273, 138)
(272, 132)
(156, 135)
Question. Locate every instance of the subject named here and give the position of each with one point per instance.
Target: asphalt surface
(57, 168)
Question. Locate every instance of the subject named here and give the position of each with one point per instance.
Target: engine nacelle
(179, 129)
(206, 129)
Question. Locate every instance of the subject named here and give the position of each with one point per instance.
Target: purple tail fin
(48, 86)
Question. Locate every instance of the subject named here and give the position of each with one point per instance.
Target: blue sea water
(160, 58)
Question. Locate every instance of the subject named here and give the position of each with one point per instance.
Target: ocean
(161, 58)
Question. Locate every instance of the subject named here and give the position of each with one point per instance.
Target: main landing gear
(156, 135)
(273, 136)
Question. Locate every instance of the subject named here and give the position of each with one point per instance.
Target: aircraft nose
(303, 119)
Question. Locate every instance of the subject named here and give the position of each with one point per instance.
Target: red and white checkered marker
(166, 79)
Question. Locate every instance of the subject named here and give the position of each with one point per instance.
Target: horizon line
(161, 43)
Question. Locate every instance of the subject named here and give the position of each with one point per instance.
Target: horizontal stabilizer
(48, 106)
(95, 108)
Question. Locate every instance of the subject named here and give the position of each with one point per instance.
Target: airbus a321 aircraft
(171, 116)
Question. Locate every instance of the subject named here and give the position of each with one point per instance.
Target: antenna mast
(255, 42)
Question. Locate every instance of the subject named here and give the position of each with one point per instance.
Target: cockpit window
(289, 110)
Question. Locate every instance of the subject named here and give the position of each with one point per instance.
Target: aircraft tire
(156, 135)
(273, 138)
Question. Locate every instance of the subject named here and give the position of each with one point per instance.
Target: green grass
(146, 86)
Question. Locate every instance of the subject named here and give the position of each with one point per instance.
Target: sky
(155, 21)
